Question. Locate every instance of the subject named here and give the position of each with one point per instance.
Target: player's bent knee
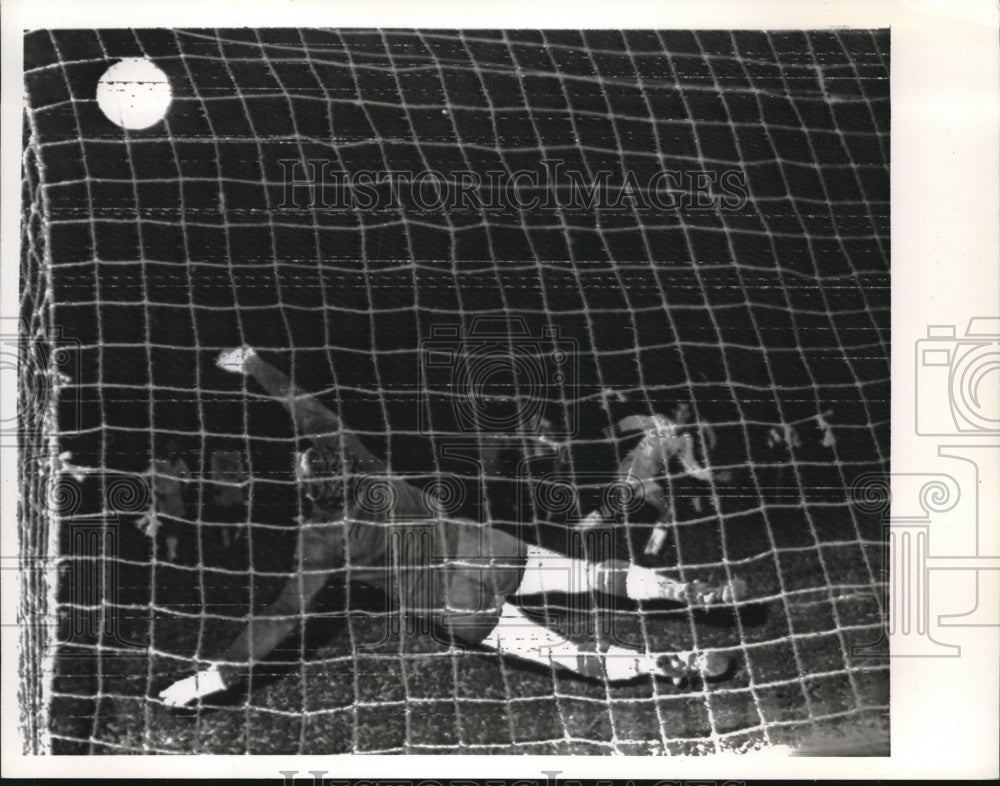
(463, 628)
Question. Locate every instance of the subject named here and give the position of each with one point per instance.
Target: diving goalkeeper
(467, 589)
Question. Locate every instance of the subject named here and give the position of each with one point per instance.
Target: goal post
(29, 344)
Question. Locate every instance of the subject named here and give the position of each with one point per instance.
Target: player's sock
(521, 637)
(628, 580)
(184, 691)
(235, 360)
(620, 664)
(612, 663)
(549, 571)
(649, 584)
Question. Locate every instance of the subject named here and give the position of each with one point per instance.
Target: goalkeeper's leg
(521, 637)
(548, 571)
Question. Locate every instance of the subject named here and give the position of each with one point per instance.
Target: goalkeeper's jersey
(455, 572)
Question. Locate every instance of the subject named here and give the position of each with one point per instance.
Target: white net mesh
(765, 317)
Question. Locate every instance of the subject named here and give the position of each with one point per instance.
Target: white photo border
(945, 160)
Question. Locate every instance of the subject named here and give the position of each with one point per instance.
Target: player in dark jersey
(461, 575)
(167, 476)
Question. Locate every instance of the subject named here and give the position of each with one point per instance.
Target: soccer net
(445, 236)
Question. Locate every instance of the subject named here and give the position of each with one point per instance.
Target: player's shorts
(451, 575)
(456, 575)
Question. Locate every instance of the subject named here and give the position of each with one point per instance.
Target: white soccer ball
(134, 93)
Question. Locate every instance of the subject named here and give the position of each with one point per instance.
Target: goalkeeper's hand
(204, 683)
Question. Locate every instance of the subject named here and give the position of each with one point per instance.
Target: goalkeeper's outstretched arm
(312, 419)
(320, 553)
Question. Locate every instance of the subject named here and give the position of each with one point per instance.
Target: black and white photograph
(443, 391)
(508, 391)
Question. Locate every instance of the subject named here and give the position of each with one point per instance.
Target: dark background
(166, 245)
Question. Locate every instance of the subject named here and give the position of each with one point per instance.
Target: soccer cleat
(681, 666)
(235, 360)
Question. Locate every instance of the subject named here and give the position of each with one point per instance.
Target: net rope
(148, 252)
